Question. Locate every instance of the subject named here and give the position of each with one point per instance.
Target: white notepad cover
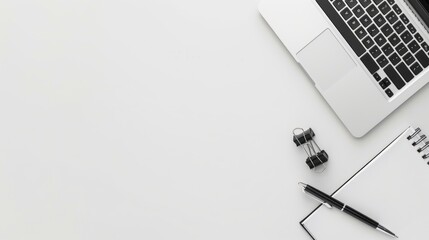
(392, 189)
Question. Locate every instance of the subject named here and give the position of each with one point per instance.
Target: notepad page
(393, 190)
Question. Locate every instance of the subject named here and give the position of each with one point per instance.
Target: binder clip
(316, 157)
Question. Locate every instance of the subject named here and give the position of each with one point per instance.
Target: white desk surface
(161, 120)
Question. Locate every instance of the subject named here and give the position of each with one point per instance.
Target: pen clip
(318, 199)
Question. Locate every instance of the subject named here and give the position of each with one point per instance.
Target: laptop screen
(421, 7)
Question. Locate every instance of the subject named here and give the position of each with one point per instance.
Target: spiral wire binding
(421, 139)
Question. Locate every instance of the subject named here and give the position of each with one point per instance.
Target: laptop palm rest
(325, 60)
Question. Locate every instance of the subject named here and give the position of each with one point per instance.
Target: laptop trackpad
(325, 60)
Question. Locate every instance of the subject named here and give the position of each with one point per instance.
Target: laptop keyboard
(381, 35)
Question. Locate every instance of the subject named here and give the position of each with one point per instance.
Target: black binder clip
(316, 156)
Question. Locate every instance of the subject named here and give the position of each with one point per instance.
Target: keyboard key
(369, 63)
(411, 28)
(384, 8)
(414, 46)
(384, 83)
(351, 3)
(394, 77)
(391, 1)
(342, 27)
(392, 17)
(425, 46)
(404, 19)
(382, 61)
(377, 2)
(423, 58)
(394, 59)
(380, 40)
(358, 11)
(389, 93)
(401, 49)
(373, 30)
(368, 42)
(405, 72)
(394, 39)
(379, 20)
(416, 68)
(406, 37)
(353, 23)
(365, 20)
(418, 37)
(399, 27)
(361, 33)
(365, 3)
(397, 9)
(372, 10)
(375, 52)
(376, 77)
(339, 4)
(386, 30)
(387, 49)
(409, 59)
(346, 14)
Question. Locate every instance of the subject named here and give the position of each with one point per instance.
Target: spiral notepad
(392, 188)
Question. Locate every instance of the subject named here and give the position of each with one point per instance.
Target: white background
(161, 119)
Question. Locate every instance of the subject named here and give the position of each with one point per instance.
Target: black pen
(330, 202)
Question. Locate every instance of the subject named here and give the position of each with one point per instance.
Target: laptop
(366, 57)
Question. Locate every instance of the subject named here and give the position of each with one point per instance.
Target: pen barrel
(324, 197)
(360, 216)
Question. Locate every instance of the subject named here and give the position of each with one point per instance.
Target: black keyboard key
(392, 17)
(418, 37)
(365, 3)
(389, 93)
(401, 49)
(405, 72)
(380, 40)
(376, 77)
(379, 20)
(406, 37)
(384, 83)
(346, 14)
(394, 59)
(382, 61)
(399, 27)
(358, 11)
(377, 2)
(351, 3)
(408, 59)
(411, 28)
(353, 23)
(372, 10)
(365, 20)
(394, 77)
(387, 30)
(404, 19)
(361, 33)
(342, 27)
(397, 9)
(369, 63)
(368, 42)
(425, 46)
(373, 30)
(423, 58)
(384, 8)
(391, 1)
(339, 4)
(375, 52)
(387, 49)
(416, 68)
(414, 46)
(394, 39)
